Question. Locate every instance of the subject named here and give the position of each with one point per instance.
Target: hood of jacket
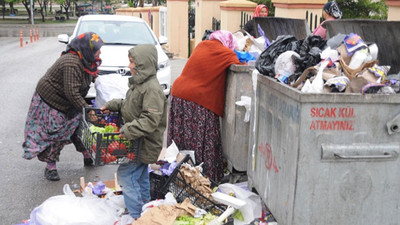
(145, 57)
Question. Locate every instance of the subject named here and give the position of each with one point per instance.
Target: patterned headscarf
(225, 37)
(332, 8)
(85, 46)
(258, 10)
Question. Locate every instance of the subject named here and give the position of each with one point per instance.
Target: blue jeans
(134, 179)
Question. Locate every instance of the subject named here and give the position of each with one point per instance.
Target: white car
(120, 33)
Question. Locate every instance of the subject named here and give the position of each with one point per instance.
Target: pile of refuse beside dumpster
(344, 63)
(184, 197)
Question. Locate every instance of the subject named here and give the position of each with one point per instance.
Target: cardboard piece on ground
(166, 214)
(111, 184)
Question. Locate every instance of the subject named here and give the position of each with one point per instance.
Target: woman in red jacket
(197, 102)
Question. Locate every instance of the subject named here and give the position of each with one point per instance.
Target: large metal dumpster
(326, 158)
(386, 34)
(234, 131)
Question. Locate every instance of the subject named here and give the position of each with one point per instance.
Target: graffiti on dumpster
(286, 109)
(332, 118)
(270, 160)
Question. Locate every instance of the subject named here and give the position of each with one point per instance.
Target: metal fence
(216, 24)
(313, 20)
(244, 18)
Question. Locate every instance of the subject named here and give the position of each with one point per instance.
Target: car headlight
(163, 65)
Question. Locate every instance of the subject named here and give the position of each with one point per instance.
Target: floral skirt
(47, 131)
(193, 127)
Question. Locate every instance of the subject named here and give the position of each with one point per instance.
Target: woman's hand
(103, 109)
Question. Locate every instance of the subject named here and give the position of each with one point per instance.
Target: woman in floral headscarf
(56, 105)
(261, 11)
(197, 102)
(331, 11)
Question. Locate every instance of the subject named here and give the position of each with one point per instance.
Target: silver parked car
(120, 33)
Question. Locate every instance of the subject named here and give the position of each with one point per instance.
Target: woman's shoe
(51, 175)
(88, 161)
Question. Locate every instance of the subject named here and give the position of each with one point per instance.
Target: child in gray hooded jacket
(144, 112)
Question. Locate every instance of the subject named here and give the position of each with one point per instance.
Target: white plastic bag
(246, 102)
(171, 153)
(251, 210)
(109, 87)
(317, 85)
(240, 40)
(71, 210)
(284, 64)
(168, 200)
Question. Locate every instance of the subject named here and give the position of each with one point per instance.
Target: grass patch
(36, 21)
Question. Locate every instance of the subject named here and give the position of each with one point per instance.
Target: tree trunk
(3, 3)
(41, 13)
(27, 7)
(77, 10)
(12, 9)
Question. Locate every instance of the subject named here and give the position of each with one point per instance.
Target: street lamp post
(32, 21)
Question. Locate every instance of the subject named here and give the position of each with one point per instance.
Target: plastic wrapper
(70, 210)
(284, 64)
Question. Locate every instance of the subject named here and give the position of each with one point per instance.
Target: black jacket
(249, 27)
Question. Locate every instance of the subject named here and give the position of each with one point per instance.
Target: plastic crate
(182, 190)
(157, 181)
(107, 148)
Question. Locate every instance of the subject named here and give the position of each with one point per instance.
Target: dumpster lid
(275, 26)
(386, 34)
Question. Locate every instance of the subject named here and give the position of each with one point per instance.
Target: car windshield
(119, 32)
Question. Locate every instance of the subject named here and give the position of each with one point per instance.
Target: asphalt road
(23, 186)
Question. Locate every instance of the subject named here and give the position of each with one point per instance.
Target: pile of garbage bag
(342, 64)
(101, 203)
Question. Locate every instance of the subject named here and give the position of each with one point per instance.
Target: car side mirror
(63, 38)
(163, 40)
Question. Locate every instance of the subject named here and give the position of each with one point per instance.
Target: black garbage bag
(310, 53)
(206, 34)
(310, 42)
(265, 63)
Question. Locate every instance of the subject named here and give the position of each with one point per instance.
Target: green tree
(66, 5)
(11, 4)
(27, 6)
(363, 9)
(42, 5)
(3, 7)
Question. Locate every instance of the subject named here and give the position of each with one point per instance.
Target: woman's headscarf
(258, 10)
(332, 8)
(225, 37)
(85, 46)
